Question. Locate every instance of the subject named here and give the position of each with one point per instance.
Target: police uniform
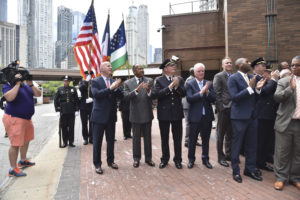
(67, 103)
(169, 112)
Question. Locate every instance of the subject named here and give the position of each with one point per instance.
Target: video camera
(7, 74)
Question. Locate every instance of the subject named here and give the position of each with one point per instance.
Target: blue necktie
(201, 86)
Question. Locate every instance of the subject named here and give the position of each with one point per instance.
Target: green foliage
(50, 87)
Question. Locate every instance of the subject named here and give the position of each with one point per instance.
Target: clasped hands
(144, 85)
(205, 88)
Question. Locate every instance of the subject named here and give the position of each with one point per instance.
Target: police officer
(66, 104)
(86, 106)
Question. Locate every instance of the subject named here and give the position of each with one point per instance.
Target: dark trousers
(244, 129)
(164, 127)
(204, 128)
(98, 132)
(138, 130)
(67, 127)
(85, 116)
(224, 130)
(265, 141)
(126, 124)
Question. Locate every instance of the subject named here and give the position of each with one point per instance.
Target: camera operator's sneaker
(26, 163)
(16, 172)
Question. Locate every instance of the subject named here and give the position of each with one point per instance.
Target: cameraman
(17, 120)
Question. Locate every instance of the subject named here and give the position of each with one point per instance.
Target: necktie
(170, 79)
(297, 109)
(247, 79)
(107, 83)
(140, 81)
(201, 86)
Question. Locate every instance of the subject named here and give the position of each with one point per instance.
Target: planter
(46, 100)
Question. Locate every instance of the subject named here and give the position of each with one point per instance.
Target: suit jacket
(221, 90)
(169, 106)
(140, 109)
(266, 106)
(287, 99)
(197, 101)
(105, 101)
(243, 104)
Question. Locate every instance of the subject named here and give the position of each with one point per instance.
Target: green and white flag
(119, 56)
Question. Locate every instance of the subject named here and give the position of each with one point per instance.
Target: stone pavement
(78, 179)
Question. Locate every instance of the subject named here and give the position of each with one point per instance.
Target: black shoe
(162, 165)
(99, 170)
(125, 138)
(228, 158)
(5, 135)
(85, 142)
(186, 145)
(224, 163)
(207, 164)
(150, 163)
(267, 167)
(64, 145)
(253, 175)
(72, 145)
(136, 164)
(115, 140)
(257, 172)
(198, 144)
(91, 141)
(129, 137)
(113, 165)
(237, 178)
(178, 165)
(190, 165)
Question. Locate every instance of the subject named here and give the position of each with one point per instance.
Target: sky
(156, 8)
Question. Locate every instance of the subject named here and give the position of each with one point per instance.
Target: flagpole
(127, 63)
(90, 50)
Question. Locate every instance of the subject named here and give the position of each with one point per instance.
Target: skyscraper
(131, 35)
(8, 43)
(3, 10)
(64, 34)
(157, 55)
(37, 17)
(143, 33)
(78, 19)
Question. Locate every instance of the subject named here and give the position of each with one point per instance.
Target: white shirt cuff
(250, 90)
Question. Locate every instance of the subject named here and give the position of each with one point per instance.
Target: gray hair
(296, 57)
(239, 61)
(223, 60)
(199, 65)
(135, 66)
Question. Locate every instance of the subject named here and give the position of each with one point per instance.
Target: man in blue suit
(200, 95)
(243, 117)
(105, 90)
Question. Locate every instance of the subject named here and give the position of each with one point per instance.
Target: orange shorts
(18, 130)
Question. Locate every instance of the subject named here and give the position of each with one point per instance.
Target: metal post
(226, 28)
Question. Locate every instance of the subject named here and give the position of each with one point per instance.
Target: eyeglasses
(295, 65)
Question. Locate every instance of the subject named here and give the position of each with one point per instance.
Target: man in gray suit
(287, 129)
(138, 91)
(223, 104)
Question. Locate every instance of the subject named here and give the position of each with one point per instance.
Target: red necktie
(107, 83)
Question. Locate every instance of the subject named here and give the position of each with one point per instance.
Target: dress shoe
(72, 145)
(190, 165)
(91, 141)
(296, 184)
(85, 142)
(207, 164)
(186, 145)
(136, 164)
(129, 137)
(278, 185)
(224, 163)
(162, 165)
(115, 140)
(113, 165)
(267, 167)
(198, 144)
(178, 165)
(257, 172)
(99, 170)
(253, 175)
(63, 146)
(150, 163)
(228, 158)
(237, 178)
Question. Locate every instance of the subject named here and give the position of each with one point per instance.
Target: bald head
(243, 65)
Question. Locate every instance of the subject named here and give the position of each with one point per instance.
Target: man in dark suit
(86, 106)
(105, 90)
(169, 90)
(266, 113)
(200, 95)
(243, 117)
(223, 105)
(138, 91)
(287, 126)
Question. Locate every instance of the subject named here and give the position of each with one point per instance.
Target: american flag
(87, 48)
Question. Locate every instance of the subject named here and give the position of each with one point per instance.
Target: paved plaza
(69, 173)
